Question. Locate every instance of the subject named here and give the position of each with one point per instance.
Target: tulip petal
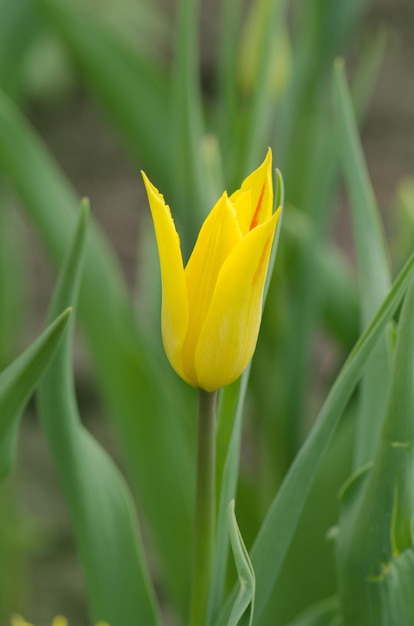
(229, 335)
(218, 236)
(174, 315)
(254, 200)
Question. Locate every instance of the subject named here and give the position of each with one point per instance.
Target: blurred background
(41, 72)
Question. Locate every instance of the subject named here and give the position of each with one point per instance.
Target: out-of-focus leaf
(227, 112)
(190, 175)
(338, 294)
(17, 28)
(18, 381)
(373, 265)
(101, 508)
(129, 86)
(145, 401)
(403, 218)
(278, 528)
(374, 542)
(312, 543)
(321, 614)
(314, 176)
(245, 572)
(11, 281)
(255, 124)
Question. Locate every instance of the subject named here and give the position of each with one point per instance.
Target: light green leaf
(17, 30)
(149, 416)
(130, 87)
(99, 502)
(245, 572)
(12, 280)
(278, 528)
(18, 381)
(377, 509)
(230, 22)
(320, 614)
(261, 107)
(373, 264)
(189, 172)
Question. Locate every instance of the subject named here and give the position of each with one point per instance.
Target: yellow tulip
(211, 309)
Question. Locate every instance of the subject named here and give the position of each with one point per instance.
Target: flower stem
(205, 507)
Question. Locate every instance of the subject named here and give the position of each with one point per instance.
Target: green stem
(205, 507)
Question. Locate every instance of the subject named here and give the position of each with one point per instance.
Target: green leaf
(261, 107)
(188, 167)
(313, 182)
(128, 85)
(245, 572)
(278, 528)
(12, 281)
(18, 26)
(373, 264)
(18, 381)
(320, 614)
(100, 504)
(151, 419)
(230, 22)
(377, 509)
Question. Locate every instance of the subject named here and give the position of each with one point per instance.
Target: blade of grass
(130, 88)
(189, 172)
(245, 572)
(100, 504)
(278, 528)
(260, 107)
(321, 179)
(231, 14)
(17, 29)
(321, 614)
(374, 268)
(149, 416)
(12, 280)
(376, 513)
(18, 381)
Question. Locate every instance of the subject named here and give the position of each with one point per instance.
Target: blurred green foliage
(272, 85)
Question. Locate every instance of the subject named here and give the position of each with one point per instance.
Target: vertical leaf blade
(374, 268)
(99, 502)
(124, 363)
(19, 380)
(277, 530)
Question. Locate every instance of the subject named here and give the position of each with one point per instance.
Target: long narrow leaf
(261, 106)
(374, 269)
(313, 194)
(189, 171)
(321, 614)
(11, 281)
(129, 86)
(148, 415)
(276, 533)
(99, 502)
(18, 381)
(376, 509)
(245, 572)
